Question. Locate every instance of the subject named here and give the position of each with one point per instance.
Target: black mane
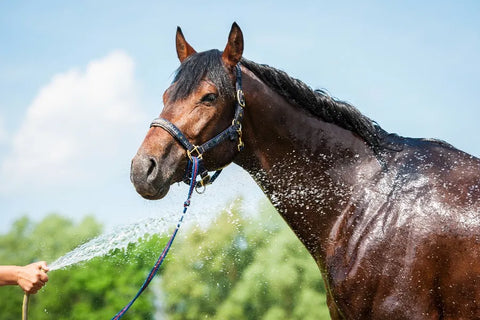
(321, 104)
(209, 65)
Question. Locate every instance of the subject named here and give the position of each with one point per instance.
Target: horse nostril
(151, 168)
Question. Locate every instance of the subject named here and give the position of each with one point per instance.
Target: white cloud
(76, 127)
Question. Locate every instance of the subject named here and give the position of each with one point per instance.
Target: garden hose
(25, 306)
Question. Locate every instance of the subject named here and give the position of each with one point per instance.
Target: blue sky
(80, 81)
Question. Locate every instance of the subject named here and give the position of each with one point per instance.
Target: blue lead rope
(161, 258)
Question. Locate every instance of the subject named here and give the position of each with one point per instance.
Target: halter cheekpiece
(233, 132)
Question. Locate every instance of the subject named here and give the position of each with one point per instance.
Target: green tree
(101, 287)
(27, 242)
(242, 268)
(96, 289)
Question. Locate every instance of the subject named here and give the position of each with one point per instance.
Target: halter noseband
(233, 132)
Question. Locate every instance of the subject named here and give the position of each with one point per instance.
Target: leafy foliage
(244, 269)
(240, 267)
(97, 289)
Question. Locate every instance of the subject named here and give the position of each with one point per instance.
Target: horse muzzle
(147, 177)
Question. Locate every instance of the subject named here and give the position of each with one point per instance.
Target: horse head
(198, 106)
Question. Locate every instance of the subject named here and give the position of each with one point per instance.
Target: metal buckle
(195, 149)
(241, 98)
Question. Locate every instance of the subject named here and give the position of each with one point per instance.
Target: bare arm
(30, 278)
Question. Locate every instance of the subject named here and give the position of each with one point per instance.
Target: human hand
(32, 277)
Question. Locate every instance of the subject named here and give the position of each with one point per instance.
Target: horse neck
(307, 167)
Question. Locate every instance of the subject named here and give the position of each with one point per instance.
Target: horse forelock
(199, 66)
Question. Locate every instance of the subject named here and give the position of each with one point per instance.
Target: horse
(392, 222)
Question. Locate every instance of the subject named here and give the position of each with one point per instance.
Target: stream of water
(116, 239)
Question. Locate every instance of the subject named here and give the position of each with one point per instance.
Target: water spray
(87, 250)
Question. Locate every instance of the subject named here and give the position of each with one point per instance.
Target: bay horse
(392, 222)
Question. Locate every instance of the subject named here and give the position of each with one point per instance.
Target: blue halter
(233, 132)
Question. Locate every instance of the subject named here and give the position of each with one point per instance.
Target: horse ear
(184, 50)
(234, 49)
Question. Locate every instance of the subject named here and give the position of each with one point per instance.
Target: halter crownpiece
(233, 132)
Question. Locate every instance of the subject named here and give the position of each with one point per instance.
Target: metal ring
(241, 98)
(200, 188)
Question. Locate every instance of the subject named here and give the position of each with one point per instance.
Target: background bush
(242, 266)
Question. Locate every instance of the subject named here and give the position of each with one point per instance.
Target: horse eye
(209, 97)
